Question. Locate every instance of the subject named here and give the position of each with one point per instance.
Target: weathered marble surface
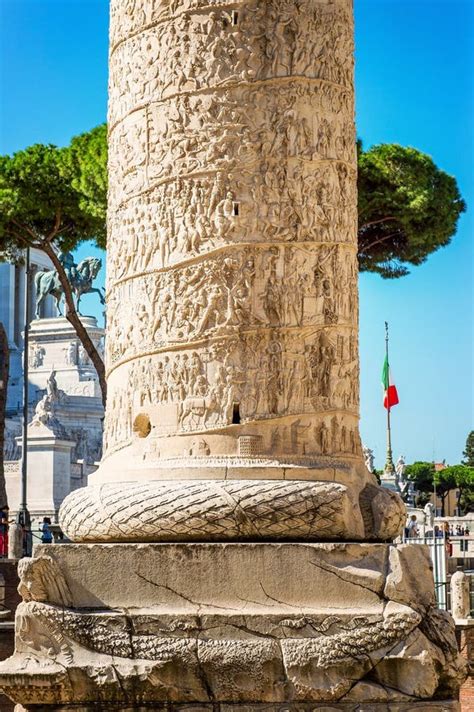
(232, 250)
(431, 706)
(230, 623)
(232, 297)
(242, 510)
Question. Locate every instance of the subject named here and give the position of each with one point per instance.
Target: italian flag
(390, 395)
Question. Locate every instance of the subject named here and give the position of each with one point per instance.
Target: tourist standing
(412, 527)
(4, 532)
(46, 534)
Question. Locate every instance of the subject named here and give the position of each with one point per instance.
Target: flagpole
(389, 466)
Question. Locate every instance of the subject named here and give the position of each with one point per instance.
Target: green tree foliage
(445, 481)
(459, 477)
(422, 475)
(86, 168)
(41, 206)
(466, 499)
(468, 453)
(408, 208)
(425, 478)
(38, 202)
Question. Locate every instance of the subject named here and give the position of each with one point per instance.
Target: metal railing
(444, 548)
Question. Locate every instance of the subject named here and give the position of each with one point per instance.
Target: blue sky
(413, 64)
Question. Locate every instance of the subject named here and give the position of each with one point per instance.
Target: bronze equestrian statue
(80, 278)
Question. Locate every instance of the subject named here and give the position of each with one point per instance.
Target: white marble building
(12, 315)
(57, 463)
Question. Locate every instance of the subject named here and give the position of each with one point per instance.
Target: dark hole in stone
(235, 17)
(236, 209)
(236, 414)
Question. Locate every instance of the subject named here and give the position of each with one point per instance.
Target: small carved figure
(52, 390)
(37, 356)
(400, 478)
(42, 580)
(43, 411)
(71, 354)
(82, 356)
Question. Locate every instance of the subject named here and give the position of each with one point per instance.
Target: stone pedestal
(49, 472)
(54, 345)
(56, 356)
(251, 626)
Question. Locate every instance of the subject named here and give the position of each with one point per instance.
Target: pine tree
(468, 453)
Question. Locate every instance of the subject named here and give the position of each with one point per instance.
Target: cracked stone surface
(230, 624)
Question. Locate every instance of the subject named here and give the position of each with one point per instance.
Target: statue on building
(43, 411)
(71, 353)
(52, 390)
(67, 260)
(430, 514)
(404, 485)
(82, 356)
(10, 447)
(37, 356)
(368, 458)
(80, 277)
(400, 468)
(45, 408)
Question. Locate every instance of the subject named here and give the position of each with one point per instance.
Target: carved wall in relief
(232, 275)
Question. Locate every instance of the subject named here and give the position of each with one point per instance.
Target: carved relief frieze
(268, 286)
(159, 52)
(185, 219)
(265, 375)
(232, 275)
(207, 133)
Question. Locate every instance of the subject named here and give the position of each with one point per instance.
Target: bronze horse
(81, 283)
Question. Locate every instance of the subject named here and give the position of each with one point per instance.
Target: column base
(244, 626)
(252, 509)
(426, 706)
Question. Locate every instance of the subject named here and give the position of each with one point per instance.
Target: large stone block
(229, 624)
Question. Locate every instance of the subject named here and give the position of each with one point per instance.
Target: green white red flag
(390, 395)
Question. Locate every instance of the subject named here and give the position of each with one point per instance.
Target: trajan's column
(201, 578)
(232, 279)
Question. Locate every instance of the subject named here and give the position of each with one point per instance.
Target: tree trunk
(74, 319)
(443, 500)
(460, 506)
(4, 371)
